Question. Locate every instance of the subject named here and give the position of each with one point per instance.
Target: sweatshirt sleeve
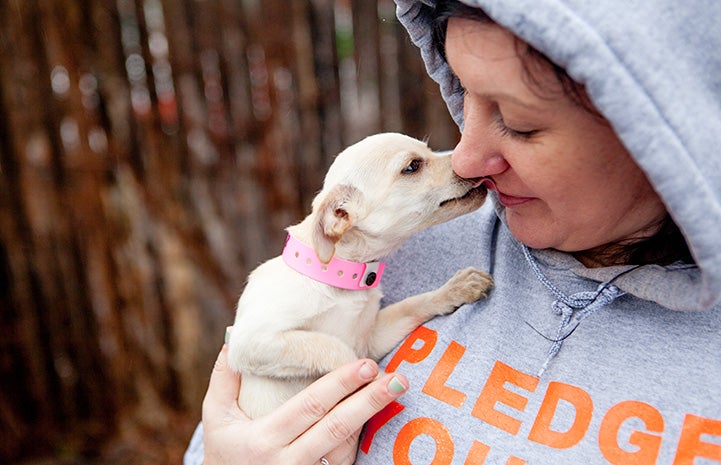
(195, 452)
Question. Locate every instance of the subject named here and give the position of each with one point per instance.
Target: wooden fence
(151, 153)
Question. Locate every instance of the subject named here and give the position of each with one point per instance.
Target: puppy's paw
(466, 286)
(327, 357)
(235, 358)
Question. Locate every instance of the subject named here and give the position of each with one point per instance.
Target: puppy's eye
(413, 166)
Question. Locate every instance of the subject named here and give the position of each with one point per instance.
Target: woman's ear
(334, 215)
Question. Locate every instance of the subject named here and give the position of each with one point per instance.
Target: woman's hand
(322, 421)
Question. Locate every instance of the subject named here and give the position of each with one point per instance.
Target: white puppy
(316, 307)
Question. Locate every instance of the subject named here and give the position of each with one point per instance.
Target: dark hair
(667, 245)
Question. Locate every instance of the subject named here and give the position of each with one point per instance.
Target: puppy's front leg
(396, 321)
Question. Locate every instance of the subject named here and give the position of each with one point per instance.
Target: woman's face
(563, 176)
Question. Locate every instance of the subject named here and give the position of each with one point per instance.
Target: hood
(653, 68)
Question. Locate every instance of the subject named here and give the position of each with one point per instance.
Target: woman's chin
(533, 234)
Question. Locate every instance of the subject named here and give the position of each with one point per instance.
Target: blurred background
(151, 154)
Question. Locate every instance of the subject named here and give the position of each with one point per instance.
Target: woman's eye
(511, 132)
(412, 167)
(506, 131)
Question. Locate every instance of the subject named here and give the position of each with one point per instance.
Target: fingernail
(366, 371)
(228, 329)
(396, 386)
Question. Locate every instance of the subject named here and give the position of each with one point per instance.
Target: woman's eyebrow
(495, 96)
(503, 96)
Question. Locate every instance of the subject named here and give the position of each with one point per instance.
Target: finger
(223, 390)
(344, 454)
(349, 416)
(310, 405)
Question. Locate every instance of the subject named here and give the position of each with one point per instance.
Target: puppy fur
(290, 330)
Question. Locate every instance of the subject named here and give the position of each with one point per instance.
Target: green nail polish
(395, 386)
(227, 333)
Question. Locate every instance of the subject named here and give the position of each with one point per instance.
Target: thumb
(223, 389)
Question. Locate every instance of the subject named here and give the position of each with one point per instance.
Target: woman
(598, 126)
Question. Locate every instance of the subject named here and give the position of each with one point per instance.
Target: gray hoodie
(562, 364)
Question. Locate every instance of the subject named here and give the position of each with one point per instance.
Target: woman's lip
(511, 200)
(505, 199)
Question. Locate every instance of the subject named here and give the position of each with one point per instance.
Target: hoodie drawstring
(574, 308)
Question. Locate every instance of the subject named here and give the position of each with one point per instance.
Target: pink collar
(337, 273)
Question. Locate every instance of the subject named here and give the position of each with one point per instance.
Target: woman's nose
(477, 155)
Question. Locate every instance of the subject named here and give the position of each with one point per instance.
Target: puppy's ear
(333, 217)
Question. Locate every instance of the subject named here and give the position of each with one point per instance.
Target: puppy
(316, 307)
